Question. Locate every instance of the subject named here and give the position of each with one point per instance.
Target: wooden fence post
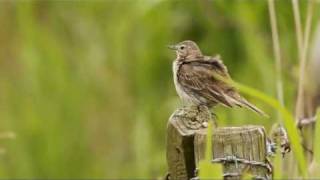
(182, 126)
(238, 149)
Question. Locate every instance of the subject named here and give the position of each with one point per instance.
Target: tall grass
(316, 152)
(288, 121)
(276, 50)
(87, 87)
(302, 48)
(207, 170)
(294, 136)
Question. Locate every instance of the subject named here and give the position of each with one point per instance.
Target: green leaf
(288, 121)
(206, 168)
(317, 138)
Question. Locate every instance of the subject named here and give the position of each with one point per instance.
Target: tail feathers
(236, 99)
(253, 108)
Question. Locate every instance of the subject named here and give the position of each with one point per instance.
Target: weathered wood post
(238, 149)
(182, 126)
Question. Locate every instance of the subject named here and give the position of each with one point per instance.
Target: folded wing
(209, 79)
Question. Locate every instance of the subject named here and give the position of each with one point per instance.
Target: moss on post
(240, 149)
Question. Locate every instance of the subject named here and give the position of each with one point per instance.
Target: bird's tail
(253, 108)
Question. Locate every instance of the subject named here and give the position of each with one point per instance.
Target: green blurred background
(87, 89)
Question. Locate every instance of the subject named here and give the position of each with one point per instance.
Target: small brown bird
(196, 81)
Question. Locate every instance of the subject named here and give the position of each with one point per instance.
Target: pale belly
(186, 98)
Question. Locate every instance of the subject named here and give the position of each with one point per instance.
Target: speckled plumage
(196, 83)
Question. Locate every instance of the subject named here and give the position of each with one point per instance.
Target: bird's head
(186, 50)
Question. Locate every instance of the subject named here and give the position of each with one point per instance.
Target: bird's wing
(209, 78)
(199, 76)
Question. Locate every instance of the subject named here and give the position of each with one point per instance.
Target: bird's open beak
(173, 47)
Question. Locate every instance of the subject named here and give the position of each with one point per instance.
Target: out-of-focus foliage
(87, 86)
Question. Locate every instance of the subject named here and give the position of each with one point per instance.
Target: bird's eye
(182, 47)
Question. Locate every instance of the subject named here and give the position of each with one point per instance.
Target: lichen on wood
(239, 149)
